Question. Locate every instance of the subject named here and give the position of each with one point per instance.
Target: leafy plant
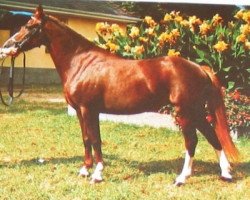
(225, 48)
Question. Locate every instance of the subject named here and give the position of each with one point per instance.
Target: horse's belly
(129, 104)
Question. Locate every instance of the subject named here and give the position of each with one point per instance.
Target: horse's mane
(69, 30)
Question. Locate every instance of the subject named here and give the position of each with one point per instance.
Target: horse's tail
(217, 108)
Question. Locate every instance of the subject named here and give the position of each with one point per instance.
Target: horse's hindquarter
(188, 82)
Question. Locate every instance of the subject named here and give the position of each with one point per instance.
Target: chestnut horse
(97, 81)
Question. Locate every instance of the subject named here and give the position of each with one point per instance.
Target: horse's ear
(39, 14)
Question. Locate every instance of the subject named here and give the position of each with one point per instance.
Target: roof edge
(68, 12)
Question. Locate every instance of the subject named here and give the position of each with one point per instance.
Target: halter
(11, 81)
(29, 36)
(37, 29)
(19, 45)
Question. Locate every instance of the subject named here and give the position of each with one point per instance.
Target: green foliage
(224, 47)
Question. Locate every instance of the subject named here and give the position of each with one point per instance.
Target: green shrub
(224, 47)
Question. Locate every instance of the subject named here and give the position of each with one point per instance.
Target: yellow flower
(150, 31)
(241, 38)
(246, 16)
(150, 21)
(175, 16)
(103, 46)
(205, 28)
(231, 25)
(239, 14)
(102, 28)
(245, 29)
(127, 48)
(217, 19)
(112, 47)
(134, 32)
(172, 52)
(178, 18)
(184, 23)
(162, 38)
(138, 50)
(193, 21)
(169, 37)
(247, 45)
(167, 17)
(115, 28)
(175, 33)
(143, 39)
(221, 46)
(174, 13)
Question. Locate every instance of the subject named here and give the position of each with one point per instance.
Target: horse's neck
(63, 44)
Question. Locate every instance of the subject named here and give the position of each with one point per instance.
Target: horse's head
(29, 36)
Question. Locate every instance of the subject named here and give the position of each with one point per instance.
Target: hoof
(94, 181)
(178, 184)
(84, 172)
(225, 179)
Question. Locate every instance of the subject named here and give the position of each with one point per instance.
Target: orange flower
(247, 44)
(175, 33)
(239, 14)
(241, 38)
(246, 16)
(169, 37)
(194, 21)
(221, 46)
(217, 19)
(245, 29)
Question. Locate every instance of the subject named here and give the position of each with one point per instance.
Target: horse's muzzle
(10, 51)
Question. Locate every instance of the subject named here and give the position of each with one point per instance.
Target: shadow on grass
(201, 168)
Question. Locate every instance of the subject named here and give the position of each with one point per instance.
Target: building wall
(38, 58)
(39, 63)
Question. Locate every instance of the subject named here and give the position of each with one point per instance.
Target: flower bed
(223, 47)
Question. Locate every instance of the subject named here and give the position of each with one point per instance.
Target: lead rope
(11, 81)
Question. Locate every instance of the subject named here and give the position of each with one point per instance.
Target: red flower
(209, 118)
(236, 95)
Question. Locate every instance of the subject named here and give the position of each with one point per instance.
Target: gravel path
(152, 119)
(148, 118)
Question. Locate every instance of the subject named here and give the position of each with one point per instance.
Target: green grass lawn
(41, 152)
